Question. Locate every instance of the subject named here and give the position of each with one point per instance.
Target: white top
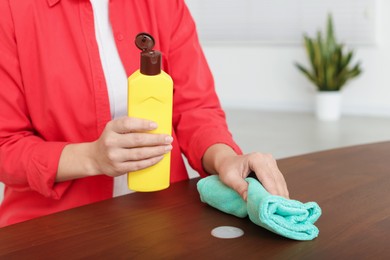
(114, 72)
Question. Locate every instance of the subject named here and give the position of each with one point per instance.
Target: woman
(64, 138)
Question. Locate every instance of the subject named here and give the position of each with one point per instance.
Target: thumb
(239, 185)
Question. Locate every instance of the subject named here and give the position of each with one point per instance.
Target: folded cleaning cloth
(286, 217)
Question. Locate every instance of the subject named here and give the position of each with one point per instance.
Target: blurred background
(252, 45)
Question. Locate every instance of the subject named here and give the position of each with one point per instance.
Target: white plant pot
(328, 105)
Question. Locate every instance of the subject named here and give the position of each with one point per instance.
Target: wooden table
(350, 184)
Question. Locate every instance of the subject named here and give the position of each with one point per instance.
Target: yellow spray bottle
(150, 94)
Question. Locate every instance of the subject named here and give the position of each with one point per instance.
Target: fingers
(128, 132)
(132, 166)
(237, 183)
(125, 145)
(134, 140)
(118, 161)
(268, 173)
(144, 139)
(131, 124)
(117, 168)
(141, 153)
(138, 165)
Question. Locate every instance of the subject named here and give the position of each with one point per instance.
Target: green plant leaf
(330, 37)
(310, 52)
(306, 72)
(330, 64)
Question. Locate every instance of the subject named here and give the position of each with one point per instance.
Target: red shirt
(53, 92)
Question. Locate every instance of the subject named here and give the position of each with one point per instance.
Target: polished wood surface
(350, 184)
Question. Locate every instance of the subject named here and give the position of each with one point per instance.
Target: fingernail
(153, 125)
(168, 148)
(168, 139)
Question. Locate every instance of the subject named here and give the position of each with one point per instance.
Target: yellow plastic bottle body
(150, 97)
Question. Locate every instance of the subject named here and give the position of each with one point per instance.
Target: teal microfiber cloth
(285, 217)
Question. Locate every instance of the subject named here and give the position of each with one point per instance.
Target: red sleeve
(26, 161)
(198, 118)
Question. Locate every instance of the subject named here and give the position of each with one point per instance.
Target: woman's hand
(124, 146)
(233, 169)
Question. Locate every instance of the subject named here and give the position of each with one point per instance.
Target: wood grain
(350, 184)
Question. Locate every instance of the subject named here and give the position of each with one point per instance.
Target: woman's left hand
(233, 169)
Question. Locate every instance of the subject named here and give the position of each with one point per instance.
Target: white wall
(264, 77)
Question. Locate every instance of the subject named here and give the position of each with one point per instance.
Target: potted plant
(330, 70)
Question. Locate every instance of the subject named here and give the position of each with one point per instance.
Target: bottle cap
(150, 63)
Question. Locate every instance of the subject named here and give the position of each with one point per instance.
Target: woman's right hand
(124, 146)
